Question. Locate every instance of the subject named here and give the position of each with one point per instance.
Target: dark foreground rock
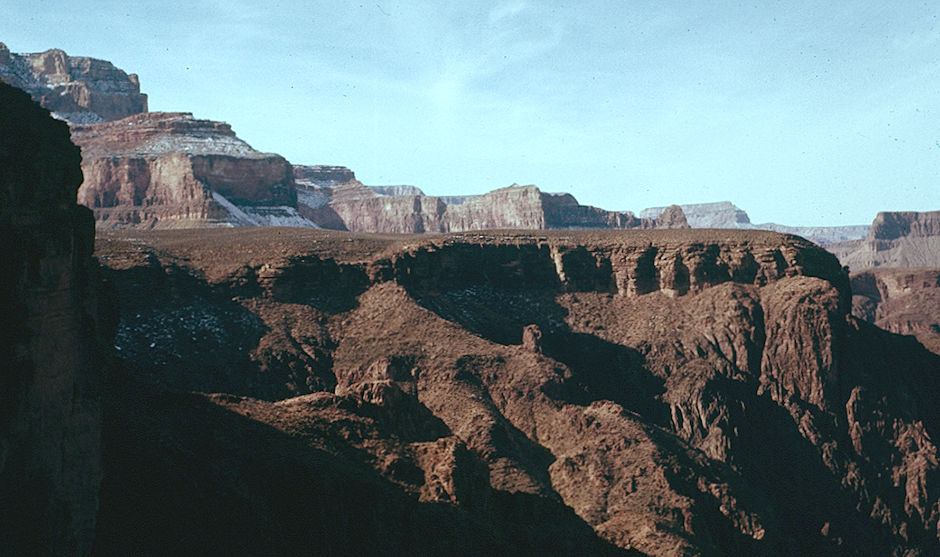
(56, 326)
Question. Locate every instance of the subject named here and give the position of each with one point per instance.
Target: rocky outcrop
(894, 226)
(56, 325)
(724, 214)
(75, 88)
(322, 175)
(170, 170)
(681, 390)
(903, 301)
(365, 209)
(902, 239)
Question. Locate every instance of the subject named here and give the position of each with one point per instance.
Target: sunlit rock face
(75, 88)
(903, 301)
(170, 170)
(405, 210)
(896, 239)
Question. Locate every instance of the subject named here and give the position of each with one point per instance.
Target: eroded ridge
(664, 385)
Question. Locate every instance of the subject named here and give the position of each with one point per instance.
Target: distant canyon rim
(216, 351)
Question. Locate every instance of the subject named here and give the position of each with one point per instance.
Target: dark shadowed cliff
(57, 328)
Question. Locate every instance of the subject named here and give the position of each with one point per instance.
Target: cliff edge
(57, 328)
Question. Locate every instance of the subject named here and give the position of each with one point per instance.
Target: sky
(801, 113)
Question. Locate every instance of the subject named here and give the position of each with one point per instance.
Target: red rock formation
(363, 209)
(77, 89)
(166, 170)
(53, 351)
(902, 239)
(699, 390)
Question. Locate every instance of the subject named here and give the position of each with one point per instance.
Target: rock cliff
(168, 170)
(356, 207)
(74, 88)
(56, 324)
(681, 391)
(322, 175)
(903, 301)
(901, 239)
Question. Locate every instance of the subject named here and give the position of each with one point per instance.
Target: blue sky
(804, 113)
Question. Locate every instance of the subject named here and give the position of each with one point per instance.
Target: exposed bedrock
(896, 239)
(630, 268)
(364, 209)
(700, 390)
(76, 88)
(57, 324)
(166, 170)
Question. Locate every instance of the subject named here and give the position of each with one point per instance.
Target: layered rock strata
(363, 209)
(684, 392)
(55, 322)
(170, 170)
(322, 175)
(896, 239)
(75, 88)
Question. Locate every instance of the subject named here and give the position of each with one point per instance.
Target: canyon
(356, 207)
(896, 239)
(392, 374)
(681, 391)
(904, 301)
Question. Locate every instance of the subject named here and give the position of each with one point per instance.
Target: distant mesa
(170, 170)
(406, 210)
(724, 214)
(896, 239)
(74, 88)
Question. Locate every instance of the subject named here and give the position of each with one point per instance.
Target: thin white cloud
(506, 11)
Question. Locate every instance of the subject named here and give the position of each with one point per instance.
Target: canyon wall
(721, 214)
(363, 209)
(58, 326)
(170, 170)
(76, 88)
(903, 301)
(682, 391)
(896, 239)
